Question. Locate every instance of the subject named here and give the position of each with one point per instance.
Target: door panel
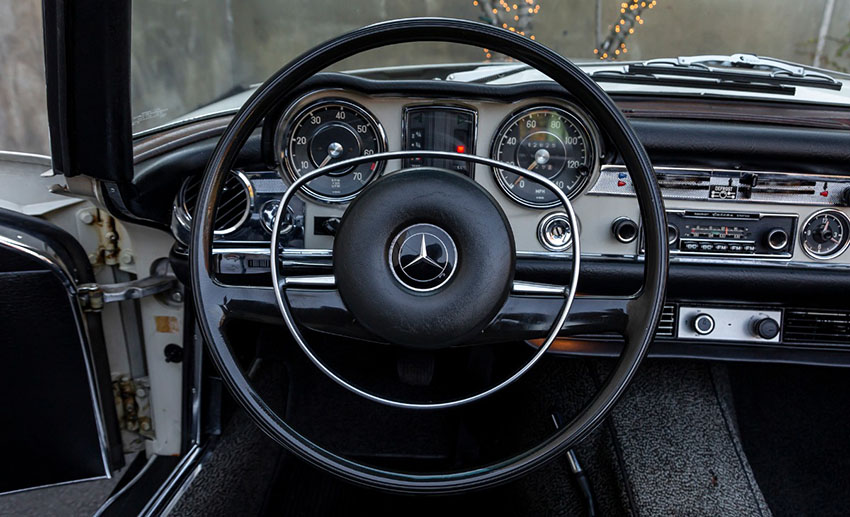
(58, 421)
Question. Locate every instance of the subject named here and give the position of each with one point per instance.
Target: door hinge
(94, 296)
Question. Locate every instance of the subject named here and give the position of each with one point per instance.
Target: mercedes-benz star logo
(423, 257)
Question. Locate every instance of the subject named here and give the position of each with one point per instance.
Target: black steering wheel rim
(646, 307)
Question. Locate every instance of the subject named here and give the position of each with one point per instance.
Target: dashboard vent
(781, 185)
(682, 180)
(234, 205)
(667, 324)
(816, 327)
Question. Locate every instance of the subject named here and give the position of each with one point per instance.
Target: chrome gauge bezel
(581, 121)
(841, 249)
(294, 112)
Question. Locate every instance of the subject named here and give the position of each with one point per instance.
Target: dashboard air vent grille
(667, 324)
(780, 185)
(816, 327)
(234, 205)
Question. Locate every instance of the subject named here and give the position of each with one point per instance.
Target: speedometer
(547, 140)
(327, 132)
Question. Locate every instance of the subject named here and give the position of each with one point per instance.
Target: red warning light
(460, 149)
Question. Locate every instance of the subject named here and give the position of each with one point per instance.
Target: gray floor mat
(680, 446)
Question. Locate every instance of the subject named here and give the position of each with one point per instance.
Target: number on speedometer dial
(549, 141)
(328, 132)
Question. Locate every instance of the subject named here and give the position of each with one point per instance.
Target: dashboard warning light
(824, 193)
(460, 149)
(621, 183)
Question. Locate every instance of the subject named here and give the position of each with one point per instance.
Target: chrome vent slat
(234, 206)
(667, 324)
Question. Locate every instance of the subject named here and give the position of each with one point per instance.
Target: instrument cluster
(555, 139)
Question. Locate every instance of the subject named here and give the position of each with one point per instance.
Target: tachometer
(825, 234)
(550, 141)
(326, 132)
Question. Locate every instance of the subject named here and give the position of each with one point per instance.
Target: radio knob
(703, 324)
(766, 328)
(624, 229)
(777, 239)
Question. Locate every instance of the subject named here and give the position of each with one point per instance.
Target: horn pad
(424, 258)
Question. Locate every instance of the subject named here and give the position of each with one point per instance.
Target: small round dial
(327, 132)
(825, 234)
(549, 141)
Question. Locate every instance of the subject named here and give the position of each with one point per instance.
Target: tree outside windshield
(206, 49)
(189, 53)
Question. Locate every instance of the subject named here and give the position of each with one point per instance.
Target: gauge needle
(530, 167)
(325, 161)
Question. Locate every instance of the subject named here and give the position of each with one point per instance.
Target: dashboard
(724, 219)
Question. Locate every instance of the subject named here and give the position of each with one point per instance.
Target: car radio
(703, 232)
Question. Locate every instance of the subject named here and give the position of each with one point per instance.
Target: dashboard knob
(766, 328)
(777, 239)
(703, 324)
(624, 229)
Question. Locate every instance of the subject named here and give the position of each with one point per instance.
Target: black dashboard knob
(624, 229)
(766, 328)
(704, 324)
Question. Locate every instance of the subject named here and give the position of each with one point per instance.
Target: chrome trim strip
(82, 335)
(182, 475)
(568, 295)
(536, 289)
(28, 158)
(309, 281)
(114, 497)
(731, 172)
(329, 281)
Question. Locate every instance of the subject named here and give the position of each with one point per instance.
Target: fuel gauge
(825, 234)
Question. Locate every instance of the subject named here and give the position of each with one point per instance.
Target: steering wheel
(416, 267)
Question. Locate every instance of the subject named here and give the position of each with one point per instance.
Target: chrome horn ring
(279, 282)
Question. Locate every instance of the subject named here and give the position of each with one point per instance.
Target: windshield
(200, 51)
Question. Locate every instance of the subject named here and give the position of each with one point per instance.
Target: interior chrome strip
(178, 481)
(519, 287)
(600, 190)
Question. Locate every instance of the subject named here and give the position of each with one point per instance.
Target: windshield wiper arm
(644, 74)
(748, 67)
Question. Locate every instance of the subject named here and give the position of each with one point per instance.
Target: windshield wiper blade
(650, 75)
(749, 67)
